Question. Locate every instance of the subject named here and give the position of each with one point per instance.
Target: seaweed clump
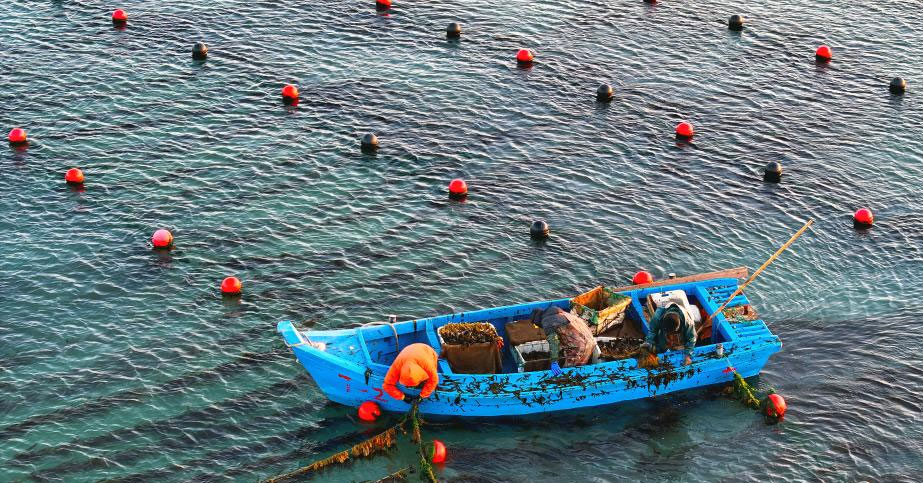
(647, 359)
(744, 392)
(378, 443)
(468, 333)
(620, 348)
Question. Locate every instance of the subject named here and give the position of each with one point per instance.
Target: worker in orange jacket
(415, 365)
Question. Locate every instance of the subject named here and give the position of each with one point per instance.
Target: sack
(601, 308)
(483, 358)
(523, 331)
(476, 358)
(577, 342)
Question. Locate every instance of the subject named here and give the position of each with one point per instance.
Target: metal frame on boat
(349, 365)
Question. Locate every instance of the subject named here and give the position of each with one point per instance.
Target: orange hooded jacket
(415, 364)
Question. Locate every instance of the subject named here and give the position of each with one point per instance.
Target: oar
(760, 270)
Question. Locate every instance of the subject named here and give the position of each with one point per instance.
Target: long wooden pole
(739, 272)
(760, 270)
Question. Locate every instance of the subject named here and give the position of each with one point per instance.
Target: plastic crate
(601, 308)
(522, 365)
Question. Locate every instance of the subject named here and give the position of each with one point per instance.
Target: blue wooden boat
(349, 365)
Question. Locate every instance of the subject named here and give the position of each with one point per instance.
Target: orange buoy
(119, 16)
(776, 406)
(642, 277)
(74, 176)
(17, 136)
(684, 130)
(824, 53)
(863, 218)
(289, 94)
(382, 4)
(162, 239)
(369, 411)
(439, 451)
(231, 286)
(458, 188)
(525, 56)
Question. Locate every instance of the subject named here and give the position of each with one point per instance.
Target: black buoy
(772, 173)
(539, 230)
(453, 31)
(736, 23)
(898, 86)
(199, 51)
(369, 142)
(604, 93)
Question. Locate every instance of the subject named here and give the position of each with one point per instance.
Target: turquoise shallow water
(118, 363)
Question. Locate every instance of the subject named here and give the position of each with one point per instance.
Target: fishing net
(741, 313)
(381, 442)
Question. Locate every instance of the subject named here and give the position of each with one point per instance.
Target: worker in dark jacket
(567, 335)
(671, 326)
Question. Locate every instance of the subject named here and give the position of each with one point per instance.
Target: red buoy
(119, 16)
(17, 136)
(439, 451)
(863, 217)
(524, 56)
(823, 53)
(382, 4)
(684, 130)
(74, 176)
(162, 239)
(642, 277)
(289, 93)
(369, 411)
(458, 188)
(776, 406)
(231, 286)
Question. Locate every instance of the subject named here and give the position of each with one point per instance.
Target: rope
(390, 322)
(378, 443)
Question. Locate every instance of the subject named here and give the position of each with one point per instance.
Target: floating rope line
(399, 475)
(426, 469)
(744, 392)
(381, 442)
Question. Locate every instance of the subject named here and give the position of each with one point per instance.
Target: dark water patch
(137, 395)
(129, 363)
(214, 416)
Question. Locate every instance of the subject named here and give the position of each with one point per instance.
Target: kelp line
(379, 443)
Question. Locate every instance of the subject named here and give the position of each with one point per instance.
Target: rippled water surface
(121, 364)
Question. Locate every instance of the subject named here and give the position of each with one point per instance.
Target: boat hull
(340, 363)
